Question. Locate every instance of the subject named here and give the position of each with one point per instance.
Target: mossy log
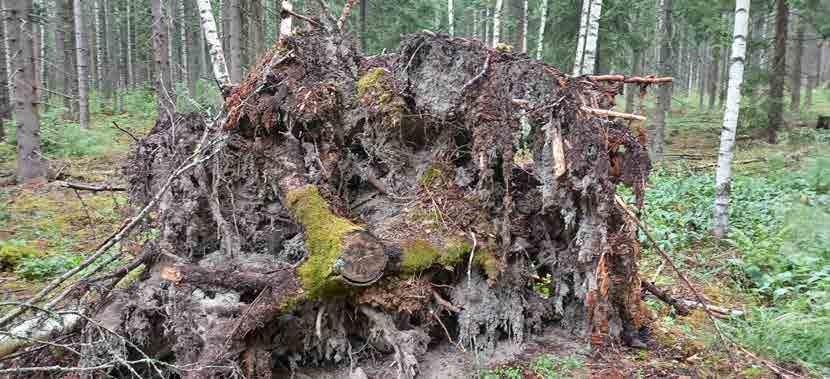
(446, 189)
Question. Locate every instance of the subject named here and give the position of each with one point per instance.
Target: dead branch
(125, 131)
(651, 79)
(301, 17)
(609, 113)
(347, 9)
(679, 307)
(746, 161)
(91, 187)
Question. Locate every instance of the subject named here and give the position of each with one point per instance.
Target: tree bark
(778, 72)
(286, 19)
(83, 65)
(235, 41)
(796, 79)
(99, 48)
(586, 51)
(165, 95)
(714, 73)
(129, 39)
(70, 73)
(701, 77)
(30, 162)
(664, 92)
(497, 14)
(255, 30)
(542, 22)
(451, 17)
(217, 56)
(523, 28)
(5, 102)
(723, 179)
(194, 47)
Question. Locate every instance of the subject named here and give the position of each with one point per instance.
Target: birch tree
(285, 18)
(217, 56)
(82, 60)
(586, 46)
(5, 103)
(497, 21)
(544, 20)
(730, 119)
(451, 17)
(524, 26)
(30, 162)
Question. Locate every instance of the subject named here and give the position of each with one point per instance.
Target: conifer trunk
(778, 72)
(82, 64)
(796, 80)
(163, 75)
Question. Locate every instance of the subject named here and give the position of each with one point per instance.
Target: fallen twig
(631, 79)
(301, 17)
(609, 113)
(715, 164)
(125, 131)
(679, 306)
(91, 187)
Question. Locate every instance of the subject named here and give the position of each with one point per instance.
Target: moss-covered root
(336, 246)
(419, 255)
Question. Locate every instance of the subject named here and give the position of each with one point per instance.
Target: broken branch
(631, 79)
(609, 113)
(91, 187)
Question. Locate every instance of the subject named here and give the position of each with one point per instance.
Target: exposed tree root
(364, 205)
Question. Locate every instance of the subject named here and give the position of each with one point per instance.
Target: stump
(394, 200)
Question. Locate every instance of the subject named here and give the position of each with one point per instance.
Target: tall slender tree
(723, 179)
(285, 18)
(82, 64)
(497, 14)
(5, 103)
(542, 22)
(778, 72)
(451, 17)
(588, 37)
(235, 41)
(165, 95)
(30, 162)
(664, 92)
(796, 78)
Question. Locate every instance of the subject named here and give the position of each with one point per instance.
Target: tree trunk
(796, 79)
(363, 30)
(723, 177)
(255, 27)
(30, 162)
(632, 89)
(111, 31)
(778, 72)
(194, 46)
(285, 19)
(497, 13)
(83, 65)
(129, 38)
(714, 73)
(225, 12)
(235, 41)
(701, 77)
(100, 62)
(586, 52)
(451, 17)
(542, 22)
(5, 102)
(70, 71)
(523, 28)
(217, 56)
(165, 95)
(664, 92)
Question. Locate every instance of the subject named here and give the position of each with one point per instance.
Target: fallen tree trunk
(353, 195)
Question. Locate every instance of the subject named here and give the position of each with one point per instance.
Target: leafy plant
(36, 268)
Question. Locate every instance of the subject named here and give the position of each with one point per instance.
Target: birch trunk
(83, 64)
(497, 21)
(217, 56)
(524, 26)
(730, 119)
(30, 162)
(592, 38)
(163, 82)
(5, 103)
(285, 19)
(540, 42)
(451, 17)
(581, 36)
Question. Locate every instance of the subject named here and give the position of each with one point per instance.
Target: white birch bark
(589, 59)
(497, 22)
(581, 36)
(542, 22)
(524, 26)
(82, 55)
(451, 17)
(723, 176)
(217, 56)
(285, 22)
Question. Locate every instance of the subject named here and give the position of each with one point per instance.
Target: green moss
(324, 232)
(504, 48)
(489, 262)
(455, 251)
(434, 175)
(369, 81)
(418, 255)
(12, 252)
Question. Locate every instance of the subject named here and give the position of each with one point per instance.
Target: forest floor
(773, 270)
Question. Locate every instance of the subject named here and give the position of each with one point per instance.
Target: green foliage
(12, 252)
(38, 268)
(418, 255)
(503, 373)
(553, 367)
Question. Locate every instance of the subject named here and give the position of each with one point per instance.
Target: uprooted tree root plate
(356, 205)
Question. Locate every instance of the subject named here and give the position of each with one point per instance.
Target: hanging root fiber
(365, 205)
